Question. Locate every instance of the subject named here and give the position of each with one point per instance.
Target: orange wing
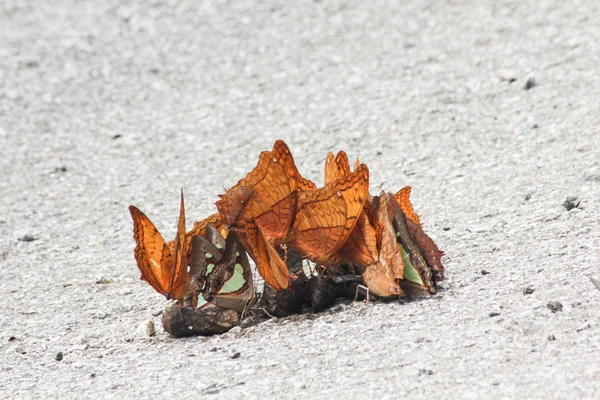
(200, 226)
(337, 167)
(361, 246)
(297, 182)
(327, 216)
(270, 266)
(403, 198)
(267, 194)
(163, 266)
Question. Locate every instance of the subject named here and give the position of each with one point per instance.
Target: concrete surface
(104, 104)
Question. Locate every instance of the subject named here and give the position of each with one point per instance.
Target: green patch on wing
(236, 282)
(201, 301)
(410, 273)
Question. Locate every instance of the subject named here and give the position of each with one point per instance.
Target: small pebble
(11, 338)
(528, 196)
(424, 371)
(485, 272)
(528, 290)
(27, 238)
(551, 338)
(235, 329)
(571, 202)
(554, 306)
(530, 83)
(494, 314)
(58, 356)
(446, 228)
(236, 355)
(507, 75)
(146, 329)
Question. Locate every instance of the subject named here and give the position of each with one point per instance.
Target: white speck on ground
(104, 104)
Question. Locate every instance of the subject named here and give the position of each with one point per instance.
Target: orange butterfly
(262, 207)
(270, 266)
(268, 194)
(327, 216)
(372, 243)
(361, 246)
(163, 266)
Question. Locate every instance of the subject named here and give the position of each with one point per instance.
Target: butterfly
(268, 195)
(383, 277)
(361, 246)
(163, 265)
(421, 255)
(425, 244)
(262, 206)
(268, 262)
(220, 271)
(326, 216)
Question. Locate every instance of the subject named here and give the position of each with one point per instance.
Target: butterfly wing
(384, 276)
(336, 167)
(215, 237)
(403, 199)
(426, 245)
(151, 252)
(405, 241)
(361, 246)
(267, 194)
(204, 256)
(177, 273)
(237, 292)
(270, 266)
(327, 216)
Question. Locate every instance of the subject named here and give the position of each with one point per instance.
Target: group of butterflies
(273, 212)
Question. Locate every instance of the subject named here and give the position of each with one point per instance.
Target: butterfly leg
(366, 289)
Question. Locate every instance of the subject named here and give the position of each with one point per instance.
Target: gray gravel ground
(110, 103)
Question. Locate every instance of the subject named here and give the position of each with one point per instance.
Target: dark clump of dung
(186, 321)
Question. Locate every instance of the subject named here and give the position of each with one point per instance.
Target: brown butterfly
(221, 270)
(200, 228)
(163, 266)
(383, 277)
(426, 245)
(327, 216)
